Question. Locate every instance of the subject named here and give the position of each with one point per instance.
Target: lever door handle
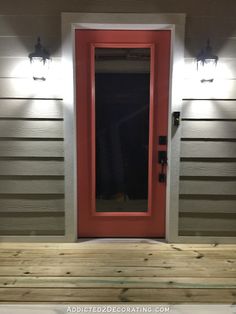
(162, 159)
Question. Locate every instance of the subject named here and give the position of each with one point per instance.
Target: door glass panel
(122, 90)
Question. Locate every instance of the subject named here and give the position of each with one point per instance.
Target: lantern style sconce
(206, 64)
(39, 60)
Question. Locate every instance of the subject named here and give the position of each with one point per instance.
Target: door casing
(173, 22)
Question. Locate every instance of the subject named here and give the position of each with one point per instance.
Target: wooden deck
(117, 271)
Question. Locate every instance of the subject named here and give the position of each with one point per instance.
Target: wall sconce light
(39, 60)
(206, 63)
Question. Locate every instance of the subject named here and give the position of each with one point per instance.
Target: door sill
(124, 240)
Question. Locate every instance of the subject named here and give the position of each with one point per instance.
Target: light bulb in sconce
(40, 60)
(206, 64)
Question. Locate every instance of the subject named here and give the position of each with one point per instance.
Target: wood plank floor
(117, 271)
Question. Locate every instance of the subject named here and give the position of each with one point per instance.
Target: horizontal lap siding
(31, 126)
(31, 167)
(207, 202)
(207, 205)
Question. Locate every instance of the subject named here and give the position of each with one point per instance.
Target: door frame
(113, 21)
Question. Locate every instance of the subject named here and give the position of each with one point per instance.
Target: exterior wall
(207, 204)
(31, 120)
(31, 167)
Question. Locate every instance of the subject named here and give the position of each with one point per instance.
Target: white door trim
(173, 22)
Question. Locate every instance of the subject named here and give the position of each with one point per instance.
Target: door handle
(162, 159)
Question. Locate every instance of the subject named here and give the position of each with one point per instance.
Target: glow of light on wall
(23, 83)
(23, 69)
(221, 86)
(223, 70)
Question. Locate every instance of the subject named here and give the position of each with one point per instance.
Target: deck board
(117, 271)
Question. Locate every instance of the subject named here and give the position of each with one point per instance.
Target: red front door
(122, 84)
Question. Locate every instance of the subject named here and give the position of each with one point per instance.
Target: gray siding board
(22, 148)
(208, 149)
(26, 88)
(30, 108)
(32, 167)
(207, 205)
(32, 225)
(209, 129)
(208, 224)
(31, 204)
(31, 129)
(208, 169)
(222, 89)
(31, 186)
(209, 109)
(200, 187)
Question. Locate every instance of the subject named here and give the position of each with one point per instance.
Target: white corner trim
(173, 22)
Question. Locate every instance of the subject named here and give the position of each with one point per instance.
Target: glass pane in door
(122, 90)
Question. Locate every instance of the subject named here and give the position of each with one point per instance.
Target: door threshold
(122, 240)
